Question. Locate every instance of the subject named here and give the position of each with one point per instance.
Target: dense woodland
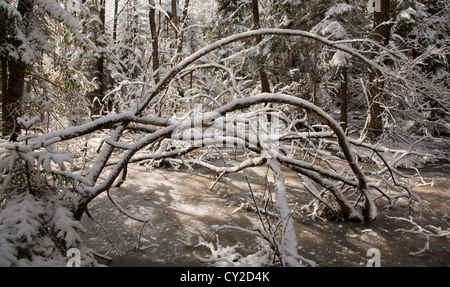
(344, 81)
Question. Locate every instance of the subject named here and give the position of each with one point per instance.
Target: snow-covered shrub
(37, 232)
(37, 224)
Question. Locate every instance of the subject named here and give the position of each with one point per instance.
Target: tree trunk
(344, 98)
(381, 34)
(182, 27)
(14, 94)
(116, 15)
(382, 30)
(344, 95)
(4, 94)
(159, 18)
(265, 85)
(315, 73)
(16, 81)
(175, 16)
(96, 97)
(155, 44)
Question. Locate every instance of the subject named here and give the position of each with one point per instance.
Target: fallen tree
(314, 146)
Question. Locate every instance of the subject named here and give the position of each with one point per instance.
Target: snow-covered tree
(37, 225)
(421, 31)
(25, 42)
(205, 95)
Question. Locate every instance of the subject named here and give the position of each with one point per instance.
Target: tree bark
(14, 94)
(16, 81)
(315, 72)
(182, 27)
(381, 29)
(381, 34)
(155, 40)
(344, 98)
(116, 15)
(265, 85)
(96, 97)
(175, 16)
(4, 94)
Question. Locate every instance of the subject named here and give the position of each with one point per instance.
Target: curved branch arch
(147, 97)
(369, 212)
(91, 188)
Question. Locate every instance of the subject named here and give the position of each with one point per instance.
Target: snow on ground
(181, 209)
